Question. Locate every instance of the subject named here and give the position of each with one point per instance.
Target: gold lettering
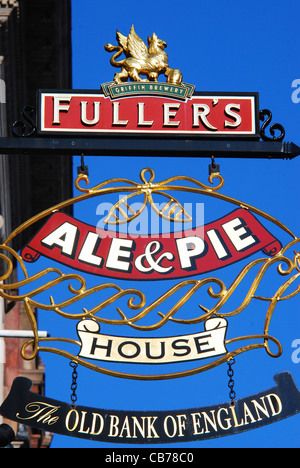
(196, 423)
(210, 421)
(181, 424)
(101, 426)
(236, 423)
(261, 408)
(81, 430)
(228, 420)
(247, 413)
(136, 425)
(126, 428)
(43, 410)
(275, 403)
(151, 432)
(67, 422)
(114, 430)
(174, 426)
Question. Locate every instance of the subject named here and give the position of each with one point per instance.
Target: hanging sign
(152, 427)
(144, 106)
(186, 255)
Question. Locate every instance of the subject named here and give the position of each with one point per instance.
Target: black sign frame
(150, 136)
(27, 141)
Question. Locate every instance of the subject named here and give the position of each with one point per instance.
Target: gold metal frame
(136, 299)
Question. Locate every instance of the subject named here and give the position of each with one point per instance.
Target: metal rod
(155, 147)
(21, 334)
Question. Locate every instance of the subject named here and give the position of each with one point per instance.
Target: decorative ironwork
(27, 128)
(172, 206)
(276, 126)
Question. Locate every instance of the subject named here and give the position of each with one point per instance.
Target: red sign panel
(150, 257)
(151, 112)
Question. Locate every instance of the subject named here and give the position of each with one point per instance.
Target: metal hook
(213, 167)
(82, 169)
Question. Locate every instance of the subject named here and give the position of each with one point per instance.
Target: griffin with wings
(141, 61)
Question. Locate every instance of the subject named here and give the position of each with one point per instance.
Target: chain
(74, 366)
(230, 374)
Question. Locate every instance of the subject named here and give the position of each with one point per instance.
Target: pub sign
(185, 255)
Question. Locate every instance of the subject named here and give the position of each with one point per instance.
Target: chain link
(230, 373)
(74, 366)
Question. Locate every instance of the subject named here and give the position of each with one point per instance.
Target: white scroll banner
(161, 350)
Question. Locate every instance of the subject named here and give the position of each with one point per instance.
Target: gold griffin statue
(141, 61)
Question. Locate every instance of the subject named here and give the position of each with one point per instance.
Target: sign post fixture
(147, 117)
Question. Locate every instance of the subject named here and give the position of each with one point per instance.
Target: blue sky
(219, 46)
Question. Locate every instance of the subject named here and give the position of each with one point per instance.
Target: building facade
(35, 53)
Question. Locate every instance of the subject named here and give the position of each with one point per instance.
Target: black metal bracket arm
(107, 146)
(26, 140)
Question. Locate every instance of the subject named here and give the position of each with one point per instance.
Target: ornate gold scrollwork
(137, 307)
